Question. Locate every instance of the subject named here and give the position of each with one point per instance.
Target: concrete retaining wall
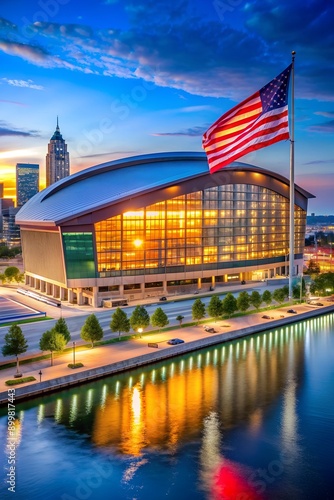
(40, 388)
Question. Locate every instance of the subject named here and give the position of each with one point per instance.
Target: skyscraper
(27, 182)
(57, 159)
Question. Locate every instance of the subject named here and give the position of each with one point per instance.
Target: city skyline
(128, 78)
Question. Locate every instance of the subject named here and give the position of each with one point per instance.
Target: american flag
(262, 119)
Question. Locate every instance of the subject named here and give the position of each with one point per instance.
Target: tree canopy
(119, 322)
(12, 274)
(215, 307)
(15, 344)
(52, 341)
(255, 299)
(229, 304)
(323, 284)
(198, 310)
(61, 327)
(243, 301)
(267, 297)
(139, 319)
(91, 331)
(279, 295)
(159, 318)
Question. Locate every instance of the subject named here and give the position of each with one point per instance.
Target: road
(75, 317)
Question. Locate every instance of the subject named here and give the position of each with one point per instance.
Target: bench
(152, 344)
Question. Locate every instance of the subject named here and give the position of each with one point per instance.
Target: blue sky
(132, 77)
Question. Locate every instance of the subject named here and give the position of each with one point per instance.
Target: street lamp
(40, 375)
(74, 353)
(140, 331)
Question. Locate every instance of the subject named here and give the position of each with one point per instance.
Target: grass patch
(17, 381)
(29, 320)
(75, 365)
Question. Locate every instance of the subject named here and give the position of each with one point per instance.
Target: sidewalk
(113, 358)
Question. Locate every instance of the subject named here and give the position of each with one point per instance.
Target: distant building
(4, 204)
(27, 182)
(10, 230)
(57, 159)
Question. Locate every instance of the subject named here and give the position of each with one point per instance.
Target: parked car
(292, 311)
(162, 299)
(265, 316)
(243, 282)
(175, 341)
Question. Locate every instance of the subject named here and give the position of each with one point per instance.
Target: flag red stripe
(259, 135)
(260, 120)
(284, 136)
(247, 144)
(264, 121)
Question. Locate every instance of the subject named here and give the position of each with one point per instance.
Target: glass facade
(79, 255)
(223, 226)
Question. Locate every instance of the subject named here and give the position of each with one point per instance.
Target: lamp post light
(74, 353)
(40, 375)
(140, 331)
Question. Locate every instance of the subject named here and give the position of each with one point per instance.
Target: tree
(159, 318)
(279, 295)
(229, 304)
(198, 310)
(267, 297)
(15, 344)
(139, 319)
(323, 284)
(215, 308)
(299, 290)
(52, 341)
(119, 322)
(285, 289)
(8, 253)
(179, 318)
(243, 301)
(255, 299)
(12, 273)
(91, 330)
(313, 268)
(61, 327)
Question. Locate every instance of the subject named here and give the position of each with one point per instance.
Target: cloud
(30, 53)
(23, 83)
(327, 114)
(318, 162)
(171, 44)
(190, 132)
(13, 102)
(327, 127)
(5, 130)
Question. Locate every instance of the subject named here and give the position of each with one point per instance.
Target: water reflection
(205, 397)
(169, 403)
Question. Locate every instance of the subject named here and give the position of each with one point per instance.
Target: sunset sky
(130, 77)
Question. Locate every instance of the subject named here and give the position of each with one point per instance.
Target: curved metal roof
(108, 183)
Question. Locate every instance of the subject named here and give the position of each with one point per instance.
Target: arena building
(155, 225)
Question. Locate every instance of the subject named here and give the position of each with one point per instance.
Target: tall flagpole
(292, 179)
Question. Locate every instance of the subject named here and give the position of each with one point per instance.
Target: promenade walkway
(124, 355)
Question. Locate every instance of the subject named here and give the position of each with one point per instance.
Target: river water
(249, 419)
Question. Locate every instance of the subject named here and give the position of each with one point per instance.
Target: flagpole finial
(293, 54)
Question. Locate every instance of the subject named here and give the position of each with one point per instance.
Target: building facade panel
(43, 255)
